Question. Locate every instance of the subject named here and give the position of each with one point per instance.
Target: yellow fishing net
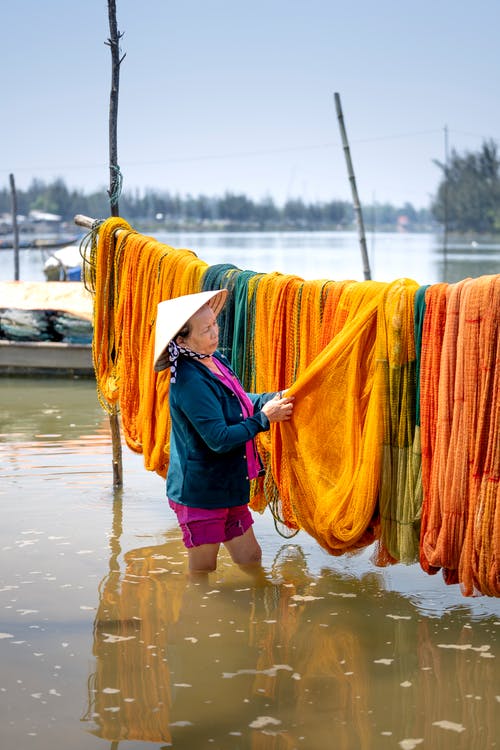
(133, 274)
(327, 459)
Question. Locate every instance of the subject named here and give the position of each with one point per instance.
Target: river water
(106, 643)
(317, 255)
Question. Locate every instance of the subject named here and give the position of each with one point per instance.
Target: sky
(231, 95)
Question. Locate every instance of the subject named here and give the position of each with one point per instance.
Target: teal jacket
(207, 466)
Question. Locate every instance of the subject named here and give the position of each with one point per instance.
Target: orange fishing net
(461, 519)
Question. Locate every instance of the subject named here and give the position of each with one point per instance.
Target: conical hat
(172, 314)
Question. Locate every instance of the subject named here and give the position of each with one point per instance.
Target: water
(104, 637)
(317, 255)
(105, 641)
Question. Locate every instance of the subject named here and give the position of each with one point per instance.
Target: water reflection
(295, 660)
(317, 652)
(463, 260)
(37, 408)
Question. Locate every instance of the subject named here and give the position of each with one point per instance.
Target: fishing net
(461, 519)
(394, 435)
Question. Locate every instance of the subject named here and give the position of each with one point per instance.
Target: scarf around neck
(175, 351)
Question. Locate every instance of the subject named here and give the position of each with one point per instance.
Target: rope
(87, 250)
(117, 184)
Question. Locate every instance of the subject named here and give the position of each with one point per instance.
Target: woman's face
(204, 336)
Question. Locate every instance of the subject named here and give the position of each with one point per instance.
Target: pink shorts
(214, 526)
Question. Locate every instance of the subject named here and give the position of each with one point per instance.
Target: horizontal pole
(83, 221)
(87, 222)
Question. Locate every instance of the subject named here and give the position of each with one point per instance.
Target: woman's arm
(207, 411)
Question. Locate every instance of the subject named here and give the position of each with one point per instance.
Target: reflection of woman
(214, 423)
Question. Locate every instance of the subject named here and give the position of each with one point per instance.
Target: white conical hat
(172, 314)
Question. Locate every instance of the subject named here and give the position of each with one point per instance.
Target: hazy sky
(222, 95)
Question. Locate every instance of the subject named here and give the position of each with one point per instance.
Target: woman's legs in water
(203, 559)
(244, 549)
(198, 525)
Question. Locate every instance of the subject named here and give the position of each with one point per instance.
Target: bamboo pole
(354, 190)
(15, 227)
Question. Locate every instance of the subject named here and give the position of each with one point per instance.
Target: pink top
(234, 384)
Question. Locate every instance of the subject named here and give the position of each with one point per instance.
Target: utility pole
(445, 201)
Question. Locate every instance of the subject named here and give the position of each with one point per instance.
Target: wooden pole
(114, 191)
(87, 223)
(114, 424)
(114, 170)
(354, 190)
(15, 227)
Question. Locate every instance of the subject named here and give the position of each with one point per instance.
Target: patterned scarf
(175, 351)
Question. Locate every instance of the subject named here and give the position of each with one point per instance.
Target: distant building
(403, 223)
(42, 216)
(40, 222)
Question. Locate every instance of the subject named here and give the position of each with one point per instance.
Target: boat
(43, 243)
(64, 264)
(45, 358)
(45, 328)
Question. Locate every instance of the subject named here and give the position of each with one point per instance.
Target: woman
(214, 422)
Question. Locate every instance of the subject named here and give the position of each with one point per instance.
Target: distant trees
(468, 196)
(55, 198)
(467, 200)
(156, 208)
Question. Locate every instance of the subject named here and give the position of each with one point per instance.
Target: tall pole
(15, 227)
(445, 201)
(354, 190)
(114, 170)
(114, 193)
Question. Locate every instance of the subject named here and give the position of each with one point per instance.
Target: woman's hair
(184, 331)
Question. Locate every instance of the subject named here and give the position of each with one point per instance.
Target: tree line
(228, 211)
(468, 196)
(467, 200)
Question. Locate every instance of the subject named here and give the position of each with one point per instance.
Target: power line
(244, 154)
(229, 155)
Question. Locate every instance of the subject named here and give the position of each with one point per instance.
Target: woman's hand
(279, 408)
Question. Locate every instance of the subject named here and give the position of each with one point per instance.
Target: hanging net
(394, 435)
